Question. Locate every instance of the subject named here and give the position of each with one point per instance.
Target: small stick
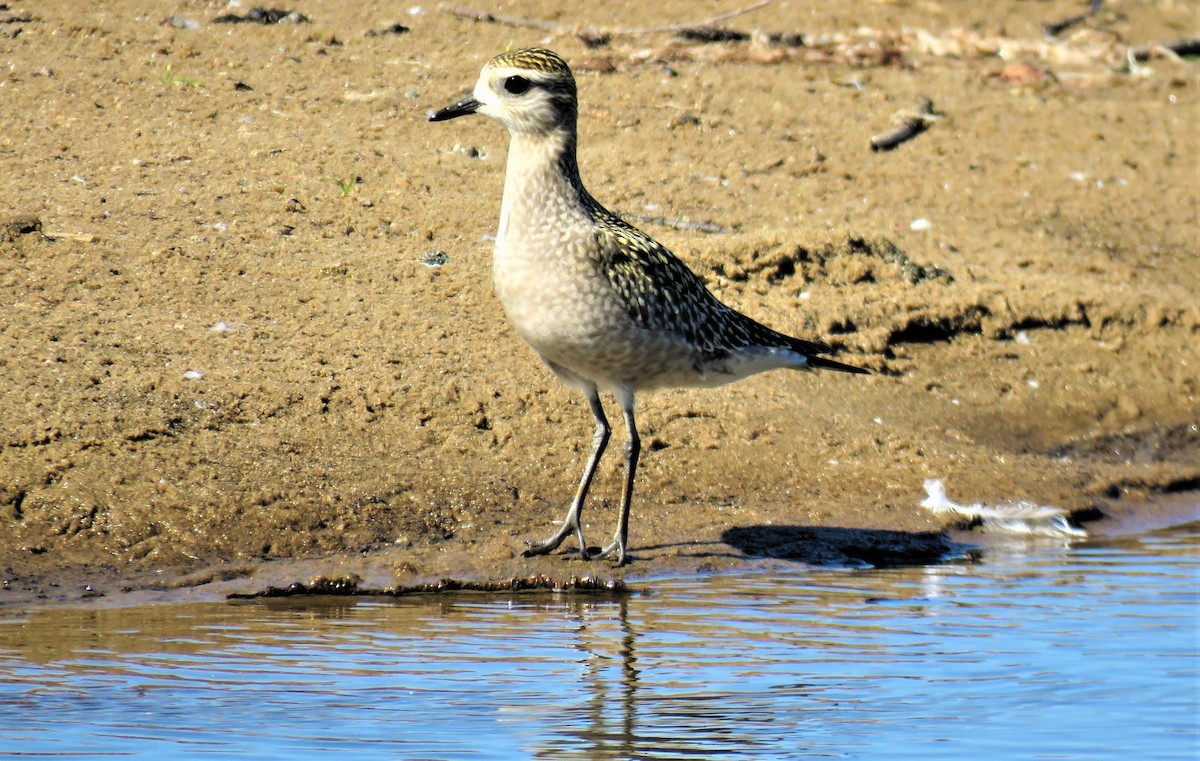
(77, 237)
(1188, 47)
(686, 225)
(695, 24)
(1058, 27)
(493, 18)
(596, 34)
(910, 124)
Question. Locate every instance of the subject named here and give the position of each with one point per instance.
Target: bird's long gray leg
(616, 550)
(571, 523)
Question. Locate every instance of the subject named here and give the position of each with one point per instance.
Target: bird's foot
(614, 551)
(551, 544)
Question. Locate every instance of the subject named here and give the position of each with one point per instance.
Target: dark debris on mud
(350, 585)
(265, 16)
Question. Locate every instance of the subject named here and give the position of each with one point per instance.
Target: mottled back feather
(662, 293)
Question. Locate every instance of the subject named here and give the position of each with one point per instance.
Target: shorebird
(604, 305)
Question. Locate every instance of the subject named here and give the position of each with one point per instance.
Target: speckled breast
(568, 312)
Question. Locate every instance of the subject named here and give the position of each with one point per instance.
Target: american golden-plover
(604, 305)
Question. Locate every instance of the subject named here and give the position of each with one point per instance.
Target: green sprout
(170, 78)
(347, 184)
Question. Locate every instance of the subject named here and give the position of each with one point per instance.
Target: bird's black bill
(462, 108)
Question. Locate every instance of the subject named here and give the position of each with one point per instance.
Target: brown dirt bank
(224, 345)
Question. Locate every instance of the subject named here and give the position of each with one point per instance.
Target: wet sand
(248, 334)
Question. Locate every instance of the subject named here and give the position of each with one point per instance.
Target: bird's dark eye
(516, 84)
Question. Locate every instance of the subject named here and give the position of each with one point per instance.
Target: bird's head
(529, 91)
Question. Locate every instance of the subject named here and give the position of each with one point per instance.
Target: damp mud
(248, 336)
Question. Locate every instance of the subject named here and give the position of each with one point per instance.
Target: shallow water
(1033, 650)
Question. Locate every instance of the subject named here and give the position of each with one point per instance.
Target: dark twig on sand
(711, 34)
(494, 18)
(708, 22)
(594, 34)
(686, 225)
(265, 16)
(1056, 28)
(1182, 48)
(716, 34)
(909, 125)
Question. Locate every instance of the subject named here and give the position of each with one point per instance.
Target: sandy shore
(247, 329)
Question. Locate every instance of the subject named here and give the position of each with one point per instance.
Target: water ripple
(1078, 651)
